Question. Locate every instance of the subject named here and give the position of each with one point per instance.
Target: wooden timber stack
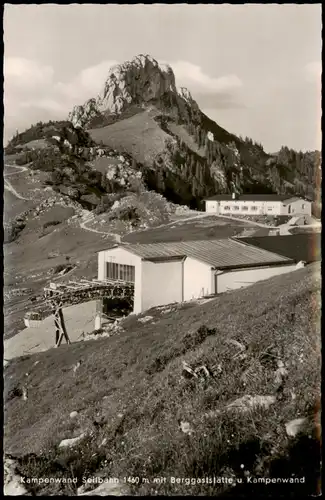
(73, 293)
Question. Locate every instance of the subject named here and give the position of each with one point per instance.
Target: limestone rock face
(137, 82)
(81, 115)
(185, 94)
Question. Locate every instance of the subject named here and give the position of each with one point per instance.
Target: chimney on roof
(233, 196)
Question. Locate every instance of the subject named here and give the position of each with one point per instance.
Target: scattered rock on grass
(12, 481)
(186, 427)
(294, 426)
(72, 441)
(280, 373)
(76, 366)
(145, 319)
(73, 414)
(236, 344)
(248, 403)
(25, 396)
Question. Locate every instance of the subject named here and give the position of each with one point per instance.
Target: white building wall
(162, 283)
(300, 207)
(198, 279)
(233, 207)
(240, 207)
(231, 280)
(272, 208)
(283, 209)
(212, 207)
(122, 256)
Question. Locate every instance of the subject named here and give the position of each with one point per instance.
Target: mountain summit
(182, 154)
(139, 82)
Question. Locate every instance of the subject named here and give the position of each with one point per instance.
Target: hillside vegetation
(181, 152)
(145, 415)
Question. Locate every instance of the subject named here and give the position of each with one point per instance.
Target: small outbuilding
(163, 273)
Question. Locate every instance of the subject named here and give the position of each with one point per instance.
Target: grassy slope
(132, 383)
(220, 134)
(102, 164)
(29, 261)
(37, 144)
(181, 132)
(139, 136)
(13, 206)
(202, 228)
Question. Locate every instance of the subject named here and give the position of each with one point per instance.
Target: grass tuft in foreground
(144, 418)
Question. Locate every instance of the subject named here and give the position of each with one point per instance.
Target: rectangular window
(111, 270)
(303, 206)
(235, 208)
(245, 208)
(226, 208)
(120, 272)
(270, 209)
(254, 208)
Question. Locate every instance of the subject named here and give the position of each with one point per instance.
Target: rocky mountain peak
(137, 82)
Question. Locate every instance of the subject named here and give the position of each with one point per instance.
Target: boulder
(294, 426)
(249, 403)
(67, 443)
(12, 480)
(186, 428)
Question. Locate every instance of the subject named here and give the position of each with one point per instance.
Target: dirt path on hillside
(118, 238)
(8, 186)
(12, 190)
(83, 223)
(19, 168)
(185, 219)
(89, 219)
(174, 222)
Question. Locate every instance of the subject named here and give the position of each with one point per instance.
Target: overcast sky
(254, 69)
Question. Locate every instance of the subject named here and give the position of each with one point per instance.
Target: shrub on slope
(144, 209)
(156, 422)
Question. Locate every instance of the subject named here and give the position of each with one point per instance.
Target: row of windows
(244, 208)
(120, 272)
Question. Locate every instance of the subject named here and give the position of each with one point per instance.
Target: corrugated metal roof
(221, 254)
